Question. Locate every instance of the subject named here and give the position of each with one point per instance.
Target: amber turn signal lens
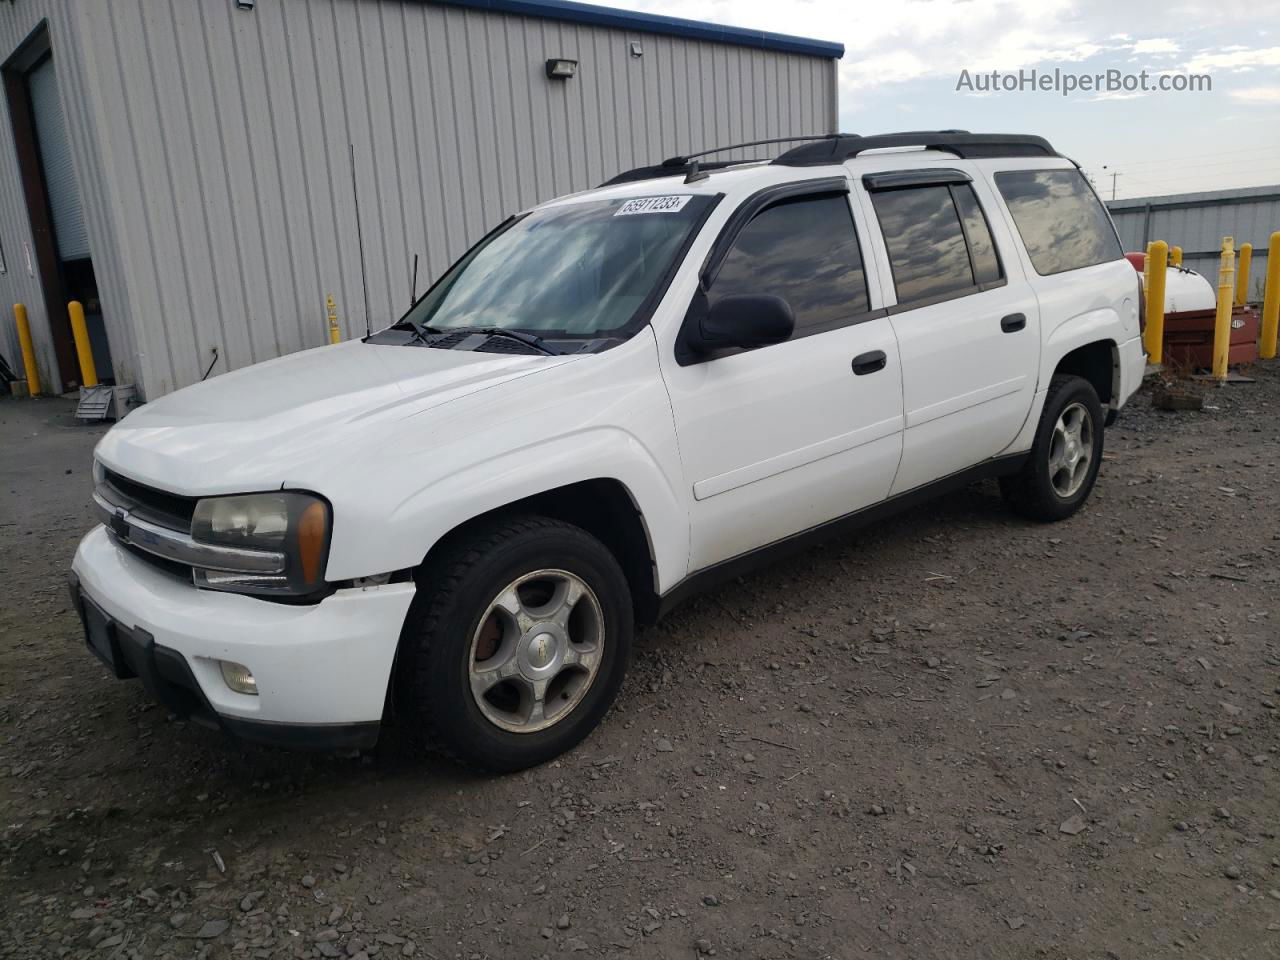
(312, 527)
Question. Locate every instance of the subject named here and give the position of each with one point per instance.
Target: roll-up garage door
(55, 159)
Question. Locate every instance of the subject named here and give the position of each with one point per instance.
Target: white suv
(612, 400)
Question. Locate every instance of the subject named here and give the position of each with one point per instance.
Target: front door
(782, 438)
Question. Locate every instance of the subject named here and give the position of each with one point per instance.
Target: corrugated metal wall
(20, 282)
(1197, 222)
(223, 150)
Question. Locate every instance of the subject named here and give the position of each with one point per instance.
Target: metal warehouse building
(185, 169)
(1197, 222)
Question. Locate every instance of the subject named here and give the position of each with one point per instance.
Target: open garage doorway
(61, 253)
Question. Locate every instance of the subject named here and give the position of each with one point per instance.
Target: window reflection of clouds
(576, 268)
(804, 251)
(925, 243)
(986, 265)
(1062, 224)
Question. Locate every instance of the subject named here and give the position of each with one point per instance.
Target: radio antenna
(413, 285)
(364, 281)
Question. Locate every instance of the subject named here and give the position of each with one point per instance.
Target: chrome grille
(165, 509)
(157, 526)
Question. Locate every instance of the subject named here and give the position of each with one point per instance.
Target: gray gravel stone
(212, 929)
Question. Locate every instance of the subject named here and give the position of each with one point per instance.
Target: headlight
(287, 522)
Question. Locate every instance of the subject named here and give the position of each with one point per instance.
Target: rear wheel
(1063, 464)
(516, 644)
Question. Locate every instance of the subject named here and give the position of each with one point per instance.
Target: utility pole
(1114, 175)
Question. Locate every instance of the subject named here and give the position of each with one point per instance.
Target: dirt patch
(955, 734)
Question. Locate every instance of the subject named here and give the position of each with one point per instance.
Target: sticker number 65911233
(671, 204)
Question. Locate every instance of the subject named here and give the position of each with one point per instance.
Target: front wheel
(516, 644)
(1063, 464)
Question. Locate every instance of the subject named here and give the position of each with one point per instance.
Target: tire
(493, 621)
(1051, 491)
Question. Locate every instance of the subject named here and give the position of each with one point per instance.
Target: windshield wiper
(420, 330)
(528, 339)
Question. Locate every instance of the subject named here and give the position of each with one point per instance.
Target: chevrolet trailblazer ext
(612, 399)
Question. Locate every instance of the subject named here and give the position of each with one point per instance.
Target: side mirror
(745, 320)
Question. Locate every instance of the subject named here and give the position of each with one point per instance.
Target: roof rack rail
(662, 170)
(691, 166)
(827, 148)
(845, 146)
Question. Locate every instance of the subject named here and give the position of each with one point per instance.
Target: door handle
(869, 362)
(1013, 322)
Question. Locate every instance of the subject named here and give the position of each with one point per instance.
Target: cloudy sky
(903, 61)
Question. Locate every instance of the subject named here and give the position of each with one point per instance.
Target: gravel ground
(953, 735)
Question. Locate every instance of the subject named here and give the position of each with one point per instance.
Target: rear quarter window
(1060, 219)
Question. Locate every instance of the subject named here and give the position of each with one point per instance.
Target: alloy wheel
(536, 651)
(1071, 450)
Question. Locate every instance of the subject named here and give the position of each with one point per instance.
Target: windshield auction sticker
(672, 204)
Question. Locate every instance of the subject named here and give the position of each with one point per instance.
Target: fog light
(238, 678)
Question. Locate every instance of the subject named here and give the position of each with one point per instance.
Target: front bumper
(321, 669)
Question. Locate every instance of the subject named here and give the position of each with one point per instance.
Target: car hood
(255, 427)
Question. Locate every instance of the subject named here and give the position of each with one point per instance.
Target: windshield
(574, 270)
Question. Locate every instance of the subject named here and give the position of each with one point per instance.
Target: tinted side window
(805, 251)
(1060, 220)
(925, 242)
(986, 265)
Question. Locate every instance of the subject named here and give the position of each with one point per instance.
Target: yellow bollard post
(1175, 257)
(84, 353)
(1222, 321)
(1242, 274)
(335, 335)
(29, 350)
(1157, 265)
(1271, 300)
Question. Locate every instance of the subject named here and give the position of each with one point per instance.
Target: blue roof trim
(655, 23)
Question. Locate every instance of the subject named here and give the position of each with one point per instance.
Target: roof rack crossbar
(684, 160)
(961, 143)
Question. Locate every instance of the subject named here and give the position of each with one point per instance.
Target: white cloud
(1232, 59)
(1257, 94)
(1112, 95)
(1157, 45)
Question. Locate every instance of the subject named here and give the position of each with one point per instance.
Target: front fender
(612, 453)
(605, 416)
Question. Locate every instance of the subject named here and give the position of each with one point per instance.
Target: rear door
(782, 438)
(967, 323)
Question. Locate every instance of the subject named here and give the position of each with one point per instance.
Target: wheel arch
(602, 506)
(1098, 362)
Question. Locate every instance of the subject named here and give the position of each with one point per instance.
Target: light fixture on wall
(561, 69)
(636, 49)
(244, 4)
